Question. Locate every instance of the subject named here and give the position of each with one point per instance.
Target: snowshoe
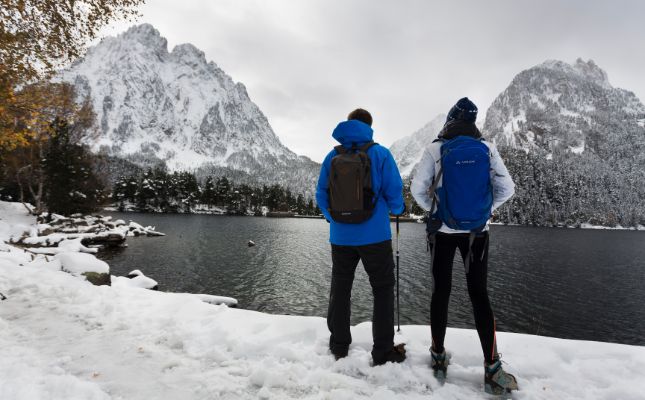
(439, 364)
(497, 381)
(397, 355)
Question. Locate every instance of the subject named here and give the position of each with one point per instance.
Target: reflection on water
(577, 284)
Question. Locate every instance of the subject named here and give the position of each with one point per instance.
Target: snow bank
(63, 338)
(210, 299)
(14, 220)
(67, 238)
(65, 245)
(79, 263)
(586, 225)
(136, 279)
(82, 230)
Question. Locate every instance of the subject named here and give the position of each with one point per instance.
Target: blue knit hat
(464, 110)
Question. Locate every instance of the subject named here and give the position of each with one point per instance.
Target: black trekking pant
(379, 264)
(443, 254)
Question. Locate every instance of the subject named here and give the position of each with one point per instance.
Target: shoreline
(585, 226)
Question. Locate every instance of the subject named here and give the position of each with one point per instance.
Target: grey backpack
(351, 198)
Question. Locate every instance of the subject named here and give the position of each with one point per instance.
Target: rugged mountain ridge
(560, 106)
(176, 108)
(408, 150)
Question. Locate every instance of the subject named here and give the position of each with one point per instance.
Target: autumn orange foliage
(36, 38)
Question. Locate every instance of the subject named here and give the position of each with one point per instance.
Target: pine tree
(222, 191)
(145, 194)
(71, 185)
(208, 192)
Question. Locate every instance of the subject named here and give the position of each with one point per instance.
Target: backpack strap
(340, 149)
(469, 255)
(471, 239)
(432, 191)
(366, 146)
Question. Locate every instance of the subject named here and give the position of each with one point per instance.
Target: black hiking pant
(379, 264)
(444, 250)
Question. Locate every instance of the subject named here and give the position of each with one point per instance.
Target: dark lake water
(567, 283)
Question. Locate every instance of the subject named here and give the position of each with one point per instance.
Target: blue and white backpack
(465, 199)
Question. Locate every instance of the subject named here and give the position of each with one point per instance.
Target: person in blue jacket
(369, 241)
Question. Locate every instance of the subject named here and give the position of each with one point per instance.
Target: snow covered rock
(134, 229)
(82, 264)
(137, 279)
(211, 299)
(141, 281)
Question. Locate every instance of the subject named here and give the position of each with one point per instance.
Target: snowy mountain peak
(408, 151)
(585, 69)
(179, 109)
(147, 35)
(592, 71)
(188, 52)
(560, 106)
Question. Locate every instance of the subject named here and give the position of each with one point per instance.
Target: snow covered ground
(63, 338)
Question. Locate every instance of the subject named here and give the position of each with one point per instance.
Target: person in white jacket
(461, 121)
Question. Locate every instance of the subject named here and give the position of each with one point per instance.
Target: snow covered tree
(222, 191)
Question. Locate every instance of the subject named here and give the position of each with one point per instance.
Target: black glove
(403, 211)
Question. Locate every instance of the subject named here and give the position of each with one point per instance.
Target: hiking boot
(496, 380)
(339, 353)
(439, 364)
(397, 355)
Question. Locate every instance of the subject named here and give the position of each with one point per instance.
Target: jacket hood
(352, 131)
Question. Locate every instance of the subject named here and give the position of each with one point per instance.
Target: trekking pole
(398, 307)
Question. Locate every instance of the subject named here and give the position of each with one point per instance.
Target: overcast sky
(307, 63)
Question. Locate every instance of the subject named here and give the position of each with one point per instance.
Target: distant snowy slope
(561, 106)
(177, 107)
(407, 151)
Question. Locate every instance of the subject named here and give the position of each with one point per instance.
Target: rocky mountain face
(176, 108)
(407, 151)
(574, 144)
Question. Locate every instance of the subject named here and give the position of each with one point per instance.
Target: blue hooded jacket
(386, 183)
